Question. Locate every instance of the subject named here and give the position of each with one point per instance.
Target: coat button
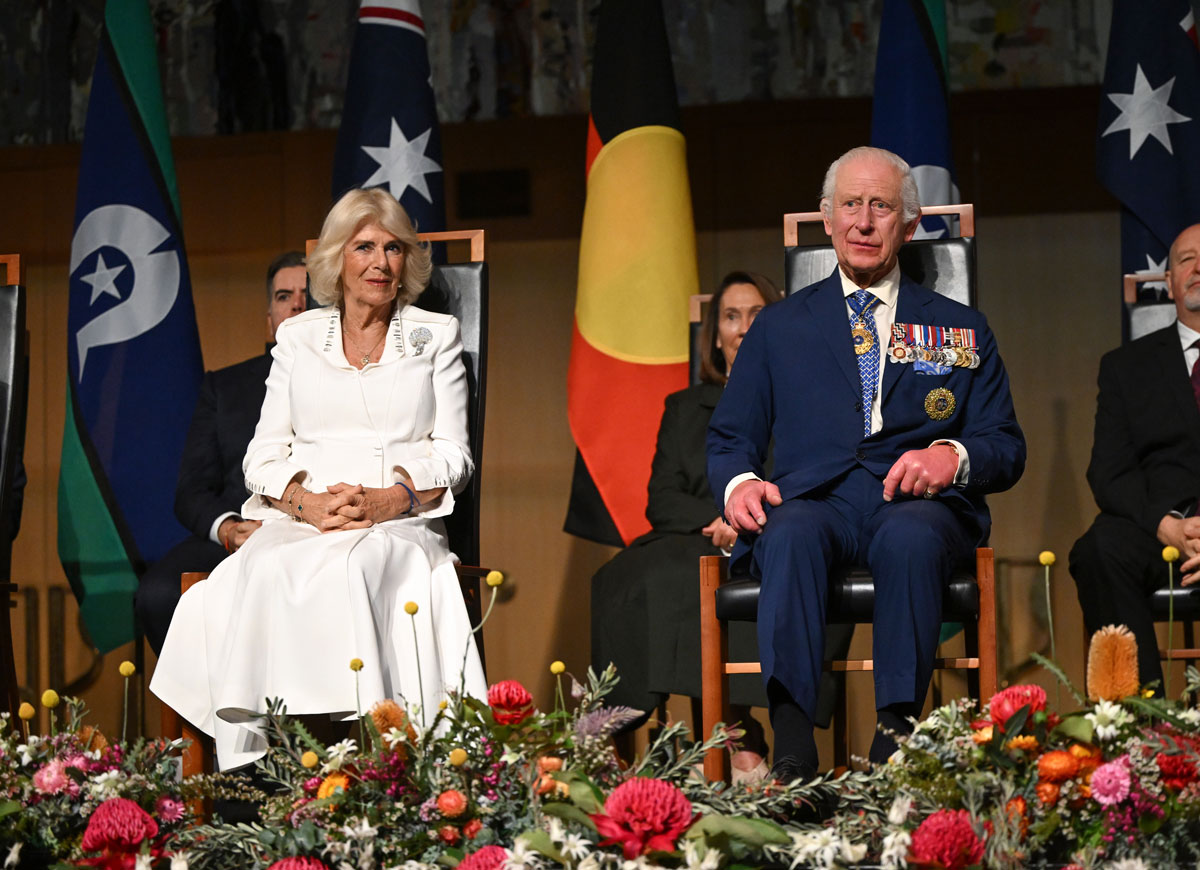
(859, 455)
(858, 407)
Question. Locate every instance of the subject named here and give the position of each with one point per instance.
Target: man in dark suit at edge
(1145, 467)
(891, 417)
(211, 489)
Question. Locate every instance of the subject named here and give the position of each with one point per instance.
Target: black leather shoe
(791, 769)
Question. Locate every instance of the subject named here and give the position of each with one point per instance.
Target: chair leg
(714, 650)
(985, 575)
(841, 725)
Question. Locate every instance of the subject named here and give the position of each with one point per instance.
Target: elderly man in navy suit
(891, 418)
(210, 489)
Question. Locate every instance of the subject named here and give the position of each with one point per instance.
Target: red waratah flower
(644, 815)
(1177, 771)
(948, 838)
(472, 828)
(118, 825)
(1008, 701)
(487, 858)
(299, 862)
(511, 703)
(451, 803)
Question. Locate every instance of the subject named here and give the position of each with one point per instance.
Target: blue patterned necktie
(866, 347)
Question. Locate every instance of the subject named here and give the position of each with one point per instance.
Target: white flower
(1107, 718)
(815, 847)
(576, 847)
(520, 857)
(1126, 864)
(143, 862)
(29, 749)
(105, 785)
(360, 831)
(14, 855)
(1191, 716)
(898, 812)
(394, 736)
(591, 862)
(179, 861)
(895, 850)
(555, 830)
(339, 754)
(852, 853)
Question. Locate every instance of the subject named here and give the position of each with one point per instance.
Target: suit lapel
(1174, 379)
(827, 305)
(909, 309)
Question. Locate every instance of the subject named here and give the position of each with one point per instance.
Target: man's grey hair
(910, 200)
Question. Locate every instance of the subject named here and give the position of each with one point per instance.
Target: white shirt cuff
(212, 533)
(749, 475)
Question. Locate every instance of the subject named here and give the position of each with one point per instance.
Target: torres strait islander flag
(1148, 145)
(910, 113)
(389, 136)
(637, 270)
(133, 353)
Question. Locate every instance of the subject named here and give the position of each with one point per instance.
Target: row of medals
(965, 357)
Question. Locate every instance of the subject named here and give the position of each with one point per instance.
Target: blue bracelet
(412, 499)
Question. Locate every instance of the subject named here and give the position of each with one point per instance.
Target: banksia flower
(1112, 671)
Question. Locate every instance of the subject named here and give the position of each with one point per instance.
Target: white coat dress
(284, 616)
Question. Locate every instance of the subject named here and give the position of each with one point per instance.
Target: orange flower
(1057, 766)
(91, 738)
(545, 782)
(332, 783)
(386, 715)
(982, 735)
(452, 803)
(472, 828)
(1047, 792)
(1085, 750)
(1023, 743)
(1016, 810)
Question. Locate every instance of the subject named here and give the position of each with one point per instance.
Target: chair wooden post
(197, 756)
(985, 575)
(714, 650)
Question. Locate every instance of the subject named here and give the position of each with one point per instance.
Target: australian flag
(389, 135)
(910, 112)
(1148, 150)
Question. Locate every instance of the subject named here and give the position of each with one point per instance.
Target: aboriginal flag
(637, 270)
(133, 352)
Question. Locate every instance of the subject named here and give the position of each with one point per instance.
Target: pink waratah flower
(644, 815)
(511, 703)
(948, 838)
(487, 858)
(168, 809)
(1110, 782)
(1008, 701)
(51, 778)
(299, 862)
(118, 825)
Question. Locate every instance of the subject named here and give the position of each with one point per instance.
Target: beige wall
(1047, 282)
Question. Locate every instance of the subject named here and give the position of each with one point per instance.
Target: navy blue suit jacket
(796, 381)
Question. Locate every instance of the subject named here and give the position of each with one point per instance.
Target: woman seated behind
(646, 600)
(360, 447)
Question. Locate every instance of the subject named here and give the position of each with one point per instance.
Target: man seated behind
(1145, 467)
(211, 488)
(882, 464)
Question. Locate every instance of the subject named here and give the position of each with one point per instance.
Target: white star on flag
(1145, 113)
(402, 164)
(1154, 268)
(103, 280)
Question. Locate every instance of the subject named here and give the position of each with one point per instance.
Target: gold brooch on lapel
(939, 404)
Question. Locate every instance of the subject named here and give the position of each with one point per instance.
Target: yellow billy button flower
(411, 608)
(1046, 557)
(443, 704)
(458, 756)
(494, 578)
(1147, 693)
(25, 711)
(50, 698)
(557, 667)
(356, 665)
(127, 669)
(1170, 554)
(309, 759)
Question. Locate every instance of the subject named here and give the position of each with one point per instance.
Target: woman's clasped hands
(347, 506)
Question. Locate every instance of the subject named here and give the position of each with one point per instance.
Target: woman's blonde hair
(348, 215)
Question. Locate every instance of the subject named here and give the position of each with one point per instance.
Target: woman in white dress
(360, 447)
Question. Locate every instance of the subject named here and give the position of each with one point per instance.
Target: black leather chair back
(946, 266)
(461, 289)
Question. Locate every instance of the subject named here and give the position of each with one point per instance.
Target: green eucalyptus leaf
(1075, 727)
(539, 841)
(568, 812)
(752, 832)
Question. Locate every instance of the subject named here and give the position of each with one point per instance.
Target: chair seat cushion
(852, 599)
(1187, 603)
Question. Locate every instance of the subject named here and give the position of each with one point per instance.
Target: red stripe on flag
(394, 14)
(614, 408)
(593, 144)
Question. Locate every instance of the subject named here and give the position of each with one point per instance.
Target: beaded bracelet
(412, 499)
(300, 507)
